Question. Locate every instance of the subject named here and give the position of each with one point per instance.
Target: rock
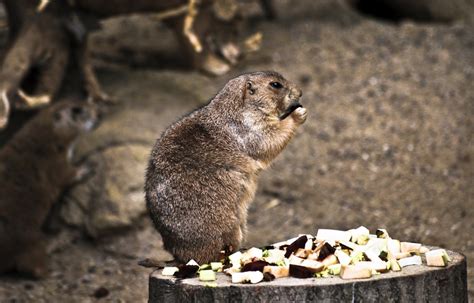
(118, 150)
(101, 292)
(413, 284)
(113, 197)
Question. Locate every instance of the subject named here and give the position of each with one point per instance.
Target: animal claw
(4, 109)
(34, 101)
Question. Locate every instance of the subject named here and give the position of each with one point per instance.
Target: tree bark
(412, 284)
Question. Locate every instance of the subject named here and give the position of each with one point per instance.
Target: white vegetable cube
(350, 245)
(169, 271)
(192, 262)
(231, 270)
(309, 244)
(410, 247)
(286, 242)
(248, 276)
(413, 260)
(343, 258)
(236, 259)
(275, 256)
(359, 235)
(372, 256)
(314, 266)
(330, 260)
(376, 245)
(401, 255)
(333, 235)
(295, 260)
(355, 272)
(437, 257)
(252, 253)
(379, 266)
(393, 246)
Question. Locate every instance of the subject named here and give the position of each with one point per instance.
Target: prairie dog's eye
(276, 85)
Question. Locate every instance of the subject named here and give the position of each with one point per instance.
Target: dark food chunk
(298, 243)
(254, 266)
(268, 277)
(186, 271)
(325, 251)
(300, 272)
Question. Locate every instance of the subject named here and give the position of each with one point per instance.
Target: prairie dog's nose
(295, 93)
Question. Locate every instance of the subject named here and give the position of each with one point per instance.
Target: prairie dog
(35, 168)
(202, 173)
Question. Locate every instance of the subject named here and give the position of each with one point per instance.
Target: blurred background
(388, 142)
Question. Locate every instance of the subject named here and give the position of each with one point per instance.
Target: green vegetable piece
(211, 285)
(322, 274)
(394, 265)
(216, 266)
(446, 258)
(334, 269)
(281, 263)
(357, 257)
(204, 267)
(363, 239)
(207, 275)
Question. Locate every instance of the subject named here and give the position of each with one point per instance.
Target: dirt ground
(388, 142)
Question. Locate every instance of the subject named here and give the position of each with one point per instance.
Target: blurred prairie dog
(35, 168)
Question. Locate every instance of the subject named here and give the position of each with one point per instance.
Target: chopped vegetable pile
(352, 254)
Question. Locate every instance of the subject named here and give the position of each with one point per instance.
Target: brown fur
(203, 171)
(34, 170)
(39, 46)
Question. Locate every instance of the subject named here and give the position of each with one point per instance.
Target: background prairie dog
(35, 168)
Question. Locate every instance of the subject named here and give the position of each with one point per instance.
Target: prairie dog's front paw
(299, 115)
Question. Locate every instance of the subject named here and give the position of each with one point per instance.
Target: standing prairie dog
(203, 171)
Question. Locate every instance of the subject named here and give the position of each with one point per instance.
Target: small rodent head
(272, 94)
(71, 119)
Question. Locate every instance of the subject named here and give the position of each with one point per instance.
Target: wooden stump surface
(412, 284)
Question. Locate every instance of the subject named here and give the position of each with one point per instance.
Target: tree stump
(412, 284)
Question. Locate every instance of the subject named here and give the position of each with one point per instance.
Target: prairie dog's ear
(249, 86)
